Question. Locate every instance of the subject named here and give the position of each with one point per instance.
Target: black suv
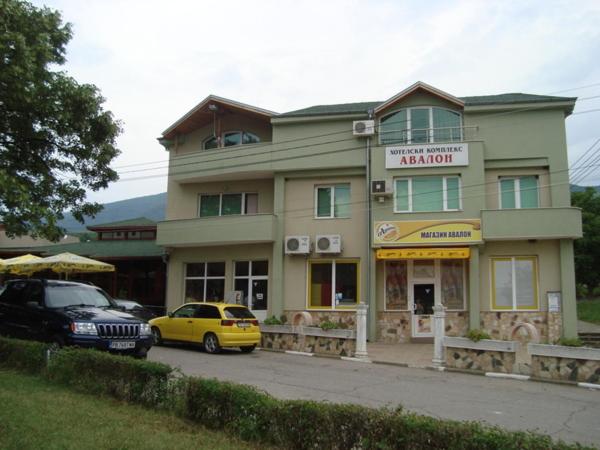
(67, 313)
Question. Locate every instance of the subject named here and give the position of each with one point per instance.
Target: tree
(587, 248)
(56, 140)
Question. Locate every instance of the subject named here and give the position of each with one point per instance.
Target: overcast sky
(155, 60)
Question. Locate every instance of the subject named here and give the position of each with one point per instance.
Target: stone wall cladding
(457, 323)
(480, 360)
(565, 369)
(394, 327)
(500, 324)
(347, 318)
(310, 344)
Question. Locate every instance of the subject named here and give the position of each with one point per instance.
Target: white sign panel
(554, 301)
(426, 155)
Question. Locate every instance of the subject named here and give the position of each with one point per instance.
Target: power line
(589, 160)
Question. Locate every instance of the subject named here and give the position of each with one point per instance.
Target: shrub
(477, 335)
(570, 342)
(26, 356)
(122, 377)
(581, 290)
(273, 321)
(596, 292)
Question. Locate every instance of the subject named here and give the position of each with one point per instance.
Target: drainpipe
(370, 301)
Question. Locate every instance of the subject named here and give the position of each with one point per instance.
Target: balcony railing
(427, 135)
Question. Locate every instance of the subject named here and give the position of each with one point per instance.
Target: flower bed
(486, 355)
(339, 342)
(559, 362)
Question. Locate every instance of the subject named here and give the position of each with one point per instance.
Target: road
(566, 412)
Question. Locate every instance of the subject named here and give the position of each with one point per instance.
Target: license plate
(243, 324)
(121, 345)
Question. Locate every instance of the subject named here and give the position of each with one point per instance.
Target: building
(422, 199)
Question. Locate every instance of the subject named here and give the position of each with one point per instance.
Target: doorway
(423, 302)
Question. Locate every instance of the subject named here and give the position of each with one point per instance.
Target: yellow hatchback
(214, 325)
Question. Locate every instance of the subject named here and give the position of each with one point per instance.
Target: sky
(155, 60)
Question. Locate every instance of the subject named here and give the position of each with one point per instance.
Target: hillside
(150, 206)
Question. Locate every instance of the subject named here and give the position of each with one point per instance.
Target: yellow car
(215, 325)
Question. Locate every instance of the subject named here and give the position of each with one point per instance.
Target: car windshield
(64, 296)
(232, 312)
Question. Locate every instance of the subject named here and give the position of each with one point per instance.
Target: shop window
(519, 192)
(422, 194)
(227, 204)
(514, 283)
(333, 284)
(232, 138)
(420, 125)
(396, 293)
(205, 282)
(452, 275)
(252, 278)
(332, 201)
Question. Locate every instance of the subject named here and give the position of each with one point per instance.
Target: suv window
(34, 293)
(185, 311)
(72, 295)
(208, 312)
(13, 293)
(235, 312)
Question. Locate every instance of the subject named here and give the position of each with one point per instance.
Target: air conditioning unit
(382, 187)
(297, 245)
(328, 243)
(363, 127)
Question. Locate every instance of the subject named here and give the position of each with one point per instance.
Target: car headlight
(145, 329)
(88, 328)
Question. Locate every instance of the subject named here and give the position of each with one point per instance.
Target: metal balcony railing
(427, 135)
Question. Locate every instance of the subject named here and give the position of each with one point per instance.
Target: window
(396, 294)
(207, 312)
(332, 284)
(421, 194)
(231, 138)
(204, 282)
(252, 278)
(420, 125)
(227, 204)
(332, 201)
(133, 235)
(452, 273)
(514, 283)
(519, 192)
(186, 311)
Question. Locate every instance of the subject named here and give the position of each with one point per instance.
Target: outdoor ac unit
(363, 128)
(297, 245)
(329, 243)
(381, 187)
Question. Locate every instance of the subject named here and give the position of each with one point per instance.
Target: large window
(332, 284)
(452, 283)
(231, 138)
(519, 192)
(420, 125)
(396, 283)
(252, 278)
(427, 194)
(514, 283)
(332, 201)
(204, 282)
(227, 204)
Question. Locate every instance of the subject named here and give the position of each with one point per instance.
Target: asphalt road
(566, 412)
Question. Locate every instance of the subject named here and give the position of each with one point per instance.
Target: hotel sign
(427, 232)
(427, 155)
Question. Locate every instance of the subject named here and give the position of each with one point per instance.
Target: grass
(589, 310)
(36, 414)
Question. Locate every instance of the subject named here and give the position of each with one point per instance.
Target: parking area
(565, 412)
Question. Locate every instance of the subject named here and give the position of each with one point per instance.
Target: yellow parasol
(20, 265)
(71, 263)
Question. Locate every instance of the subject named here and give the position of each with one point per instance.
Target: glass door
(423, 301)
(252, 278)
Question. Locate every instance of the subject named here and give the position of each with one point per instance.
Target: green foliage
(589, 310)
(581, 290)
(331, 325)
(273, 321)
(587, 249)
(56, 140)
(477, 335)
(570, 342)
(25, 356)
(283, 319)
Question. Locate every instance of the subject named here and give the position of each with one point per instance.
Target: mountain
(150, 206)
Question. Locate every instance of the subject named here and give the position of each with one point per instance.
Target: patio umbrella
(70, 263)
(20, 265)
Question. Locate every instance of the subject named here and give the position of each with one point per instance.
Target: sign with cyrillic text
(426, 155)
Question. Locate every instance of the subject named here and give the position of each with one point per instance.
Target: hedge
(256, 416)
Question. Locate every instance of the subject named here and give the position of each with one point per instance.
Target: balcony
(223, 230)
(534, 223)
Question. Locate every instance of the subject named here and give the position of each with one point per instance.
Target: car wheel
(247, 348)
(157, 336)
(211, 343)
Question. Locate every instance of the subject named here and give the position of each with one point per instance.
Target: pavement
(562, 411)
(587, 327)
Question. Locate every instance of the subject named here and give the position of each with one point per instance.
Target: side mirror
(170, 314)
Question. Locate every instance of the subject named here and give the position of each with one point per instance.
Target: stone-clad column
(567, 287)
(474, 319)
(277, 302)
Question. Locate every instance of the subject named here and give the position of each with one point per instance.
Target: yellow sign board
(427, 232)
(424, 253)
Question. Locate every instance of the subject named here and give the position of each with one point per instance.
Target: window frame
(204, 277)
(536, 288)
(250, 277)
(332, 205)
(332, 262)
(430, 130)
(517, 190)
(444, 194)
(220, 194)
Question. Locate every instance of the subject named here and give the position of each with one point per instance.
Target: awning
(424, 253)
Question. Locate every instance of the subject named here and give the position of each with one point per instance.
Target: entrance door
(423, 301)
(252, 278)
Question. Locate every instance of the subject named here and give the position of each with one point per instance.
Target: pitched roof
(107, 249)
(128, 223)
(487, 100)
